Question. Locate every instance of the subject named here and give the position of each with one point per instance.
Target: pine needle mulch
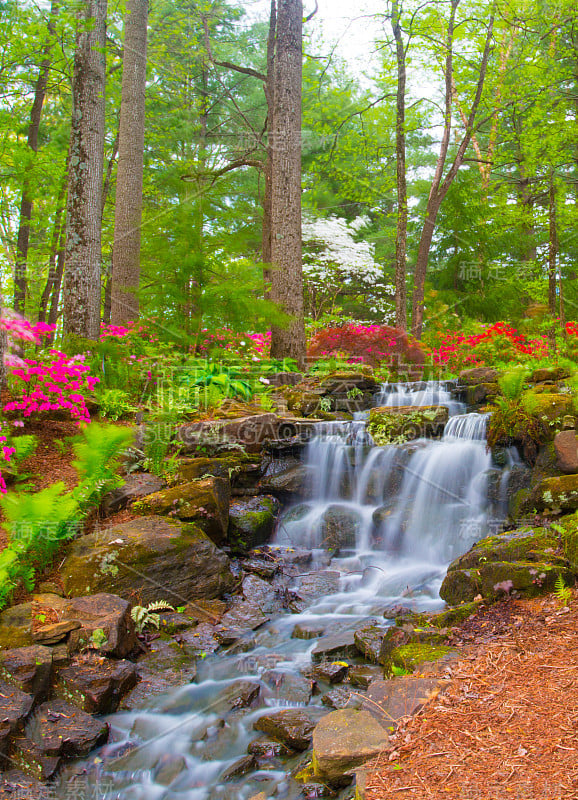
(507, 725)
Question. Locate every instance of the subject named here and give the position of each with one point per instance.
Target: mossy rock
(410, 656)
(552, 374)
(478, 375)
(192, 469)
(303, 403)
(252, 522)
(148, 559)
(395, 425)
(343, 382)
(454, 616)
(559, 493)
(526, 544)
(205, 502)
(480, 392)
(461, 586)
(547, 407)
(569, 537)
(527, 578)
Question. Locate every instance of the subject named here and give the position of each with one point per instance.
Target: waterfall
(420, 393)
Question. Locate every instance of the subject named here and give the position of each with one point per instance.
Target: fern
(98, 460)
(562, 592)
(143, 616)
(512, 383)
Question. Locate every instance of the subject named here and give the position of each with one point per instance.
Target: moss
(460, 586)
(569, 526)
(410, 656)
(527, 578)
(557, 493)
(405, 423)
(453, 616)
(526, 544)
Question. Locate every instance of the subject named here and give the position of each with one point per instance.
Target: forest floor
(507, 726)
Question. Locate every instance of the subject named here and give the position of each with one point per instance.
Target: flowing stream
(383, 523)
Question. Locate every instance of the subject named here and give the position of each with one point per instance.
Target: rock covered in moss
(410, 656)
(389, 425)
(151, 558)
(549, 374)
(525, 544)
(251, 432)
(460, 586)
(557, 493)
(205, 502)
(478, 375)
(252, 521)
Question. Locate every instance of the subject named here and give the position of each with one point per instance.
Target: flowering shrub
(53, 384)
(370, 344)
(498, 342)
(243, 345)
(7, 453)
(19, 328)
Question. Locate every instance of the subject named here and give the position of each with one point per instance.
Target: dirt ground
(507, 726)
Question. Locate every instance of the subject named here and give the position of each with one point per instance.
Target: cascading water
(386, 521)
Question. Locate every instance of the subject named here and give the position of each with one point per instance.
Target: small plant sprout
(148, 616)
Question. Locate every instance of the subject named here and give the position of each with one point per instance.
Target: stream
(397, 516)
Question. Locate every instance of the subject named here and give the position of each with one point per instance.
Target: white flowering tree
(340, 271)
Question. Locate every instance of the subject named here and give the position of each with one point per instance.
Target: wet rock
(288, 687)
(28, 668)
(312, 791)
(392, 424)
(150, 557)
(287, 484)
(460, 586)
(252, 522)
(362, 676)
(175, 622)
(335, 647)
(390, 700)
(261, 594)
(168, 768)
(15, 785)
(394, 637)
(342, 697)
(292, 727)
(209, 611)
(311, 587)
(27, 756)
(292, 558)
(342, 741)
(240, 694)
(239, 768)
(60, 729)
(566, 447)
(204, 502)
(136, 486)
(106, 613)
(15, 707)
(16, 626)
(166, 666)
(477, 375)
(368, 640)
(242, 617)
(330, 671)
(339, 527)
(230, 467)
(95, 684)
(305, 631)
(261, 567)
(267, 749)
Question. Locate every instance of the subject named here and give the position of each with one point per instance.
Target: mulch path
(507, 726)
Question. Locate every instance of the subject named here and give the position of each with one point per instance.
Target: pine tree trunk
(54, 249)
(285, 144)
(85, 173)
(26, 203)
(267, 170)
(401, 181)
(129, 182)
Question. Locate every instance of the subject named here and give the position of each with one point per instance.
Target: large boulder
(28, 668)
(134, 488)
(251, 432)
(105, 620)
(252, 521)
(396, 424)
(95, 685)
(339, 527)
(342, 741)
(151, 558)
(525, 544)
(477, 375)
(287, 479)
(559, 493)
(204, 501)
(60, 729)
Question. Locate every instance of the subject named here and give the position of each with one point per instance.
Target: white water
(409, 510)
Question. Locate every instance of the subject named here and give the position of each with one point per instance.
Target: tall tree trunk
(129, 182)
(54, 249)
(57, 286)
(269, 87)
(401, 180)
(552, 246)
(85, 172)
(26, 202)
(440, 184)
(286, 234)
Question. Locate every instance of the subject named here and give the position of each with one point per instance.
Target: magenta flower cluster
(7, 453)
(54, 385)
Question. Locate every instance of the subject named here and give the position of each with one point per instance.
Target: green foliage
(115, 404)
(145, 616)
(512, 422)
(562, 592)
(37, 524)
(512, 383)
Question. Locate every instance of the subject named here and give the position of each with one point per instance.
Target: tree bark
(440, 184)
(85, 172)
(54, 250)
(129, 182)
(401, 180)
(269, 87)
(552, 246)
(27, 202)
(285, 145)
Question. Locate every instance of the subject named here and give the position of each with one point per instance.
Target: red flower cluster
(370, 344)
(457, 350)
